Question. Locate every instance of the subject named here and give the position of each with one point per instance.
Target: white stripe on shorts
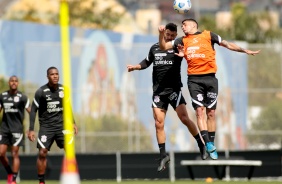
(40, 143)
(210, 106)
(197, 102)
(178, 100)
(18, 141)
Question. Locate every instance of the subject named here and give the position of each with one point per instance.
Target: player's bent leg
(159, 116)
(5, 162)
(16, 161)
(184, 117)
(3, 156)
(211, 124)
(201, 118)
(41, 164)
(42, 160)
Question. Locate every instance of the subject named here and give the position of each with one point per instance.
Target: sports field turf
(157, 182)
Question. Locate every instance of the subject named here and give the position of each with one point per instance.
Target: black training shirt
(13, 106)
(166, 69)
(49, 103)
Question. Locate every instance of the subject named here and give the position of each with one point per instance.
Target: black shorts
(12, 139)
(203, 90)
(46, 138)
(175, 98)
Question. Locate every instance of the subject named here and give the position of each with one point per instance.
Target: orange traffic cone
(69, 173)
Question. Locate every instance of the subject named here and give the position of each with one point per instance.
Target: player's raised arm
(235, 47)
(163, 44)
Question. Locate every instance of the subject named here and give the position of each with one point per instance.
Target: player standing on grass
(48, 101)
(13, 103)
(167, 90)
(198, 49)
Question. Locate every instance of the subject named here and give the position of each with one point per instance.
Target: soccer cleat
(211, 149)
(9, 178)
(163, 162)
(204, 154)
(13, 182)
(41, 183)
(214, 155)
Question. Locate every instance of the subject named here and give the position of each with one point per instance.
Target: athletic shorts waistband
(202, 75)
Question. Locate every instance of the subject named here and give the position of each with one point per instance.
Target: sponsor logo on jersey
(10, 99)
(61, 94)
(164, 62)
(53, 107)
(192, 53)
(161, 54)
(8, 107)
(156, 99)
(16, 99)
(43, 138)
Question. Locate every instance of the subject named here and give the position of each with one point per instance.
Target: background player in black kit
(48, 101)
(13, 103)
(167, 90)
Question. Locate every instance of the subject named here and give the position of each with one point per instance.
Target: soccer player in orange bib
(198, 49)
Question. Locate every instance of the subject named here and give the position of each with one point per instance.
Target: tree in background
(255, 27)
(83, 13)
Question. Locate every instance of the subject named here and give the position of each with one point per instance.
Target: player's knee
(42, 154)
(184, 119)
(211, 114)
(2, 155)
(15, 154)
(159, 125)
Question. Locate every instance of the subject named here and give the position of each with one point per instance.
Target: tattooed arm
(234, 47)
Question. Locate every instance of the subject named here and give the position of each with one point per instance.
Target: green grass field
(157, 182)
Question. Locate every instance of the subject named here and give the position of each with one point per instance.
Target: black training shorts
(12, 139)
(203, 90)
(46, 138)
(174, 98)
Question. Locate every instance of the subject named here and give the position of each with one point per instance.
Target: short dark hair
(50, 68)
(171, 27)
(13, 77)
(190, 19)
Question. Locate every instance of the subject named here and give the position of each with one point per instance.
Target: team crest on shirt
(156, 99)
(43, 138)
(195, 40)
(61, 94)
(16, 99)
(200, 97)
